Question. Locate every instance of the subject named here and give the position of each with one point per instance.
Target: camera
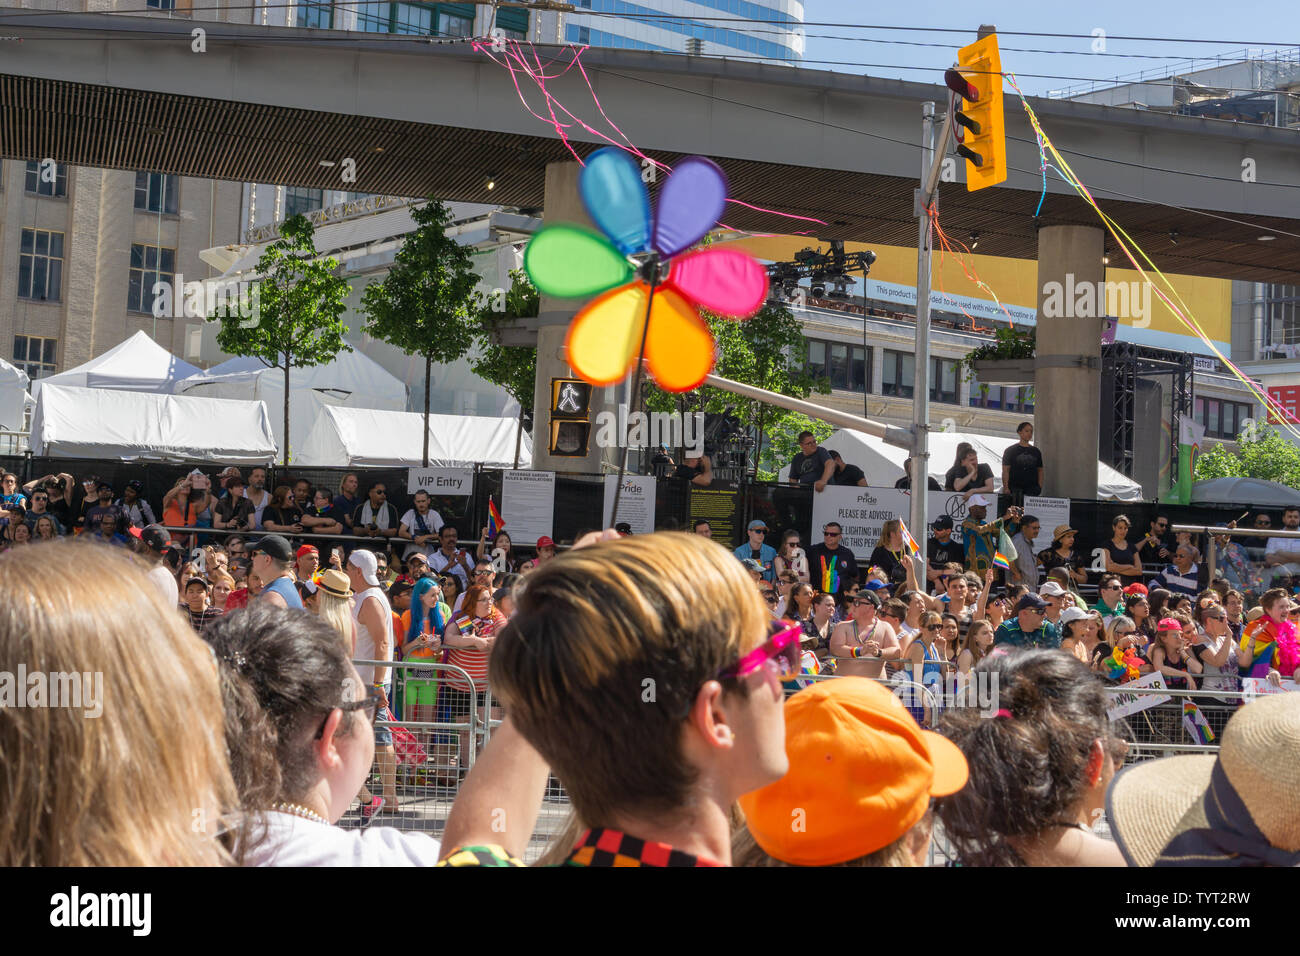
(372, 526)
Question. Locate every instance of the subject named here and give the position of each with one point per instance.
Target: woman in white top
(301, 742)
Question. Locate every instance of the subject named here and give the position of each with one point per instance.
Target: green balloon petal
(570, 262)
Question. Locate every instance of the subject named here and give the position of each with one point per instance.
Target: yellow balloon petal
(605, 336)
(679, 348)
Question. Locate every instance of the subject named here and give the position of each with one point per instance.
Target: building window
(943, 381)
(412, 18)
(40, 265)
(899, 374)
(317, 16)
(149, 265)
(373, 15)
(35, 356)
(156, 192)
(160, 4)
(299, 200)
(1222, 419)
(513, 23)
(846, 366)
(1006, 398)
(456, 19)
(1282, 314)
(39, 179)
(899, 377)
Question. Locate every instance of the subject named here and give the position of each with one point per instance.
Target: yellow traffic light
(985, 137)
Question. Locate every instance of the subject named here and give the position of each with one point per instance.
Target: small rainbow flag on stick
(1000, 560)
(908, 541)
(495, 521)
(1198, 728)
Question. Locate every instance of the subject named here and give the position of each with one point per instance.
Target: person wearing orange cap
(862, 773)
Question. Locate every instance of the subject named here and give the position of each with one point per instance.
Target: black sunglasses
(769, 597)
(368, 705)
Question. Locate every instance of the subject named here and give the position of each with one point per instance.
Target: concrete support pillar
(1067, 364)
(563, 204)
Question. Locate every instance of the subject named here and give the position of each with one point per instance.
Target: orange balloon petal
(679, 348)
(605, 336)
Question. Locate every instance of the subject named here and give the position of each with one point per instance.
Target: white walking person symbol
(568, 399)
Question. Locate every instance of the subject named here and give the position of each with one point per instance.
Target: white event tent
(883, 463)
(105, 423)
(137, 365)
(13, 396)
(364, 437)
(352, 380)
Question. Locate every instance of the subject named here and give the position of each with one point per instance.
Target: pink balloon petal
(724, 281)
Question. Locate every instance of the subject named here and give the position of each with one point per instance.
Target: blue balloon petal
(616, 199)
(690, 202)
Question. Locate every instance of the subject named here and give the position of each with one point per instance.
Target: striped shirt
(470, 659)
(1174, 580)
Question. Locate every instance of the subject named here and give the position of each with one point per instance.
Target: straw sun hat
(1241, 808)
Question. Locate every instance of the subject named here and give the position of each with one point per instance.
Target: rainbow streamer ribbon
(495, 521)
(908, 541)
(830, 575)
(1197, 726)
(1000, 560)
(1168, 294)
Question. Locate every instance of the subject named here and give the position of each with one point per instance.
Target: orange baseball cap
(862, 771)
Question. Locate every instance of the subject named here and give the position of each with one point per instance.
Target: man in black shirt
(1022, 466)
(813, 466)
(942, 550)
(905, 482)
(1152, 549)
(846, 474)
(832, 567)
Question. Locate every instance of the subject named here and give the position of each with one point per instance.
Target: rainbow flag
(1197, 726)
(830, 575)
(1000, 560)
(908, 541)
(495, 522)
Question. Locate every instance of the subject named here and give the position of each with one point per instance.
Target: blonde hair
(146, 781)
(888, 528)
(337, 613)
(745, 850)
(593, 625)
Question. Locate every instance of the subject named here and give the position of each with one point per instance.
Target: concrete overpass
(420, 117)
(269, 104)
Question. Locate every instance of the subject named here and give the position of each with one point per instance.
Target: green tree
(423, 306)
(767, 351)
(298, 303)
(1261, 453)
(513, 367)
(783, 443)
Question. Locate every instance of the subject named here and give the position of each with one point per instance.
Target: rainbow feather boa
(1123, 666)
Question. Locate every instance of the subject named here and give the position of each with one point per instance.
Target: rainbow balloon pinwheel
(636, 267)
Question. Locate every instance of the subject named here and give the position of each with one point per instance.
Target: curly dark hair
(1026, 771)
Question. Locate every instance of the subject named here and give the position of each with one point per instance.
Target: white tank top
(366, 641)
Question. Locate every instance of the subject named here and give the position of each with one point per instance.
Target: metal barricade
(1169, 726)
(434, 744)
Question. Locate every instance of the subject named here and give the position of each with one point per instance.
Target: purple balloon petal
(690, 202)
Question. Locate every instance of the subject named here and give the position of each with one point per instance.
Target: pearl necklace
(298, 810)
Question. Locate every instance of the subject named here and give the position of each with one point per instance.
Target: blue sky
(1243, 20)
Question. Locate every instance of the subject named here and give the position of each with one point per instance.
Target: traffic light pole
(920, 473)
